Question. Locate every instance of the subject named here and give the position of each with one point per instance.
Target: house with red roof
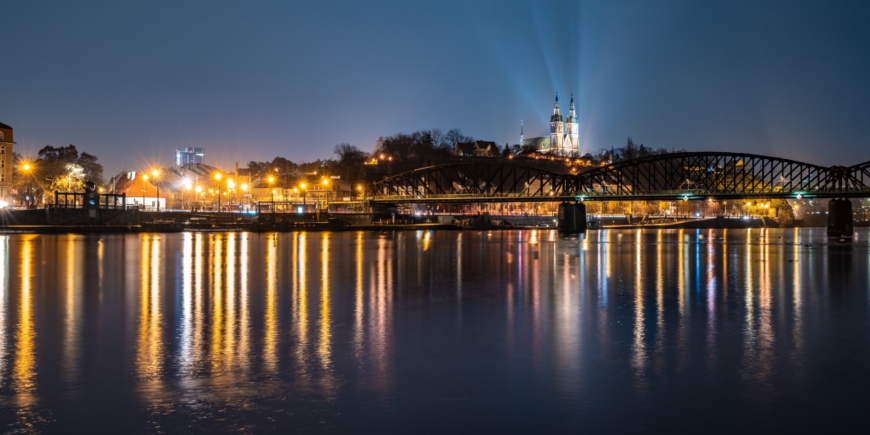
(140, 192)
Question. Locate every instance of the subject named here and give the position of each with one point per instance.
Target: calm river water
(434, 332)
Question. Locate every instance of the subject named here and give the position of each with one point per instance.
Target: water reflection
(638, 345)
(150, 352)
(4, 302)
(270, 345)
(24, 369)
(323, 347)
(72, 255)
(300, 300)
(222, 323)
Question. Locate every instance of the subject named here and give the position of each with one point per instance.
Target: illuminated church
(564, 136)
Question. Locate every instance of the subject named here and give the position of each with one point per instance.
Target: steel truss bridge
(686, 176)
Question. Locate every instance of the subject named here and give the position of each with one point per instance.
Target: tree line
(63, 169)
(350, 161)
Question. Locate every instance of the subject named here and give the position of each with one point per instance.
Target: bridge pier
(572, 217)
(840, 218)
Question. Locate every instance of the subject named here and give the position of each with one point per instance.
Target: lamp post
(144, 179)
(271, 181)
(231, 185)
(188, 187)
(26, 168)
(217, 176)
(326, 191)
(155, 173)
(302, 188)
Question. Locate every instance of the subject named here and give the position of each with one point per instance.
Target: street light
(188, 187)
(217, 176)
(144, 179)
(26, 168)
(302, 187)
(271, 181)
(230, 186)
(198, 195)
(155, 173)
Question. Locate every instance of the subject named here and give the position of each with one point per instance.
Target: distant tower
(557, 127)
(521, 132)
(572, 133)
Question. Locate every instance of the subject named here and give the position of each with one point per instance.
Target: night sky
(132, 81)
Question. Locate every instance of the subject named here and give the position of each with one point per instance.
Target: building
(140, 192)
(7, 166)
(189, 156)
(564, 138)
(478, 148)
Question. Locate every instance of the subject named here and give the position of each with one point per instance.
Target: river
(434, 332)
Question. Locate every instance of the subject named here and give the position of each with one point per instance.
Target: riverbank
(57, 221)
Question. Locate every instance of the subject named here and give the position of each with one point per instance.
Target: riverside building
(7, 169)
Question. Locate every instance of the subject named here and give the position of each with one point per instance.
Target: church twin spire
(564, 136)
(572, 115)
(557, 115)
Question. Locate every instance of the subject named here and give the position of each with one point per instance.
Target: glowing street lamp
(144, 179)
(271, 181)
(230, 186)
(156, 173)
(27, 168)
(325, 185)
(188, 187)
(218, 176)
(302, 187)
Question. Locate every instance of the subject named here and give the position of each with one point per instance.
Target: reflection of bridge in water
(678, 176)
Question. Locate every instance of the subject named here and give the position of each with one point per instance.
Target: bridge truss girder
(665, 177)
(478, 180)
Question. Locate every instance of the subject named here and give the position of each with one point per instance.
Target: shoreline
(320, 227)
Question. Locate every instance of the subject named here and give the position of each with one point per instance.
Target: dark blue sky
(133, 81)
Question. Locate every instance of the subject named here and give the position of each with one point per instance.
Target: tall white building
(564, 136)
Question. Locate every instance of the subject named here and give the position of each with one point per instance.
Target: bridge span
(668, 177)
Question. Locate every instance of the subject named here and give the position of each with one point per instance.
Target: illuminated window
(1, 135)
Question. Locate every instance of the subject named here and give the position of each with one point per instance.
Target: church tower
(572, 133)
(522, 138)
(557, 127)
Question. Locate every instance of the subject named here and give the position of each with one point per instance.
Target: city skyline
(134, 83)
